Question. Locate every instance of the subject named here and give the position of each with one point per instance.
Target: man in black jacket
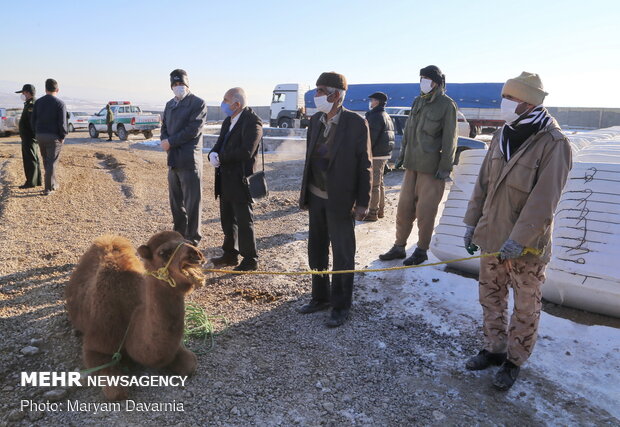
(181, 138)
(30, 157)
(233, 157)
(337, 176)
(49, 121)
(382, 142)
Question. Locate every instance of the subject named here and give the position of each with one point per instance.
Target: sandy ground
(271, 366)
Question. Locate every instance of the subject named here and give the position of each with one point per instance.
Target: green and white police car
(128, 119)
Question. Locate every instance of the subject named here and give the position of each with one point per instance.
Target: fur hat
(434, 73)
(332, 79)
(527, 87)
(179, 75)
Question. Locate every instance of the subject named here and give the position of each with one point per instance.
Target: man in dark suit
(181, 138)
(234, 157)
(337, 176)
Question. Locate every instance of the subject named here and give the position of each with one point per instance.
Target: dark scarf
(516, 133)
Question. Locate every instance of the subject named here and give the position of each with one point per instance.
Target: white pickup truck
(9, 120)
(128, 119)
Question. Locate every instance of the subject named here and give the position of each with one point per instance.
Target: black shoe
(506, 376)
(247, 264)
(313, 306)
(417, 257)
(484, 359)
(397, 252)
(225, 260)
(24, 186)
(337, 317)
(109, 139)
(48, 192)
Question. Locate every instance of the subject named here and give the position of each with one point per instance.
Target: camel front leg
(93, 359)
(184, 362)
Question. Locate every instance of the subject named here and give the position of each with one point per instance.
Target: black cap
(179, 75)
(434, 73)
(27, 88)
(379, 96)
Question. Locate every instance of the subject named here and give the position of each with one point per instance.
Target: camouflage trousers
(525, 275)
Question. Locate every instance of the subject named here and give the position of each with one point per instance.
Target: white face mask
(508, 110)
(23, 97)
(180, 91)
(322, 104)
(370, 105)
(426, 85)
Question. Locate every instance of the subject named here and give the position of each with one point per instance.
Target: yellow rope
(163, 273)
(367, 270)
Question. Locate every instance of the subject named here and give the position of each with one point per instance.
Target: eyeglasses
(321, 91)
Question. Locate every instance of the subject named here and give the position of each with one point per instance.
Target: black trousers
(238, 227)
(30, 157)
(335, 228)
(50, 146)
(185, 193)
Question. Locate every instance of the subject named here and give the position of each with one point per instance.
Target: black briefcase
(257, 183)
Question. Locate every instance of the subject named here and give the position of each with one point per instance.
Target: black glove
(469, 246)
(442, 175)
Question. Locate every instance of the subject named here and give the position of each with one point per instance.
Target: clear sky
(126, 49)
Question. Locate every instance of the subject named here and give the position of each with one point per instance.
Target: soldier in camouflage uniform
(109, 119)
(30, 148)
(511, 212)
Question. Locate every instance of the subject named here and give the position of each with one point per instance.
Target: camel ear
(145, 252)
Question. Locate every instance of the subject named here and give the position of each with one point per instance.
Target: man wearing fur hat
(427, 154)
(511, 212)
(181, 138)
(337, 176)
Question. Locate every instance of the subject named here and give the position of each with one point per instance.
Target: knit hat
(379, 96)
(332, 79)
(434, 73)
(27, 88)
(527, 87)
(179, 75)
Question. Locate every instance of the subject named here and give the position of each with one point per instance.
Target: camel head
(185, 267)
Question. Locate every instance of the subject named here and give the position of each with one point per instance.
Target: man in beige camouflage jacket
(511, 212)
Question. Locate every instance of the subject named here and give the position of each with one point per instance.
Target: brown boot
(380, 214)
(371, 217)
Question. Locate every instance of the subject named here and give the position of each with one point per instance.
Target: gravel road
(270, 366)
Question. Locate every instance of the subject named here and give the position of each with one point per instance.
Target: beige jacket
(517, 199)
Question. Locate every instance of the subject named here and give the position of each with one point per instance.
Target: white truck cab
(287, 105)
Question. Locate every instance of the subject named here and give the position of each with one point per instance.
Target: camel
(111, 300)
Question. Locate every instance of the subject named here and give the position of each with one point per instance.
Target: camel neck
(165, 307)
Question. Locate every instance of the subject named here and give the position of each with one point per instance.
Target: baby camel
(109, 295)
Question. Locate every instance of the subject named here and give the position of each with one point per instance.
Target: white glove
(214, 158)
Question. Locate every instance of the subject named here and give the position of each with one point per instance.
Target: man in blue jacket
(181, 138)
(49, 121)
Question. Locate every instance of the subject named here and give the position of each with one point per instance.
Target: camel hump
(118, 251)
